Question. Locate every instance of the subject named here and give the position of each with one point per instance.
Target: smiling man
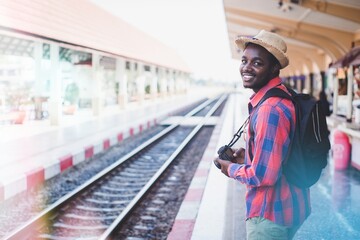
(275, 209)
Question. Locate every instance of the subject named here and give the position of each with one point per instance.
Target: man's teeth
(247, 76)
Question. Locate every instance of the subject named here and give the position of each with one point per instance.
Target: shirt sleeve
(271, 130)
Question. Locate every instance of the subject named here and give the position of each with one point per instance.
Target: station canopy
(316, 31)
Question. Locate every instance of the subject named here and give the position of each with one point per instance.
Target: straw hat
(271, 42)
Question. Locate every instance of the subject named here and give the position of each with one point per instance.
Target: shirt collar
(256, 97)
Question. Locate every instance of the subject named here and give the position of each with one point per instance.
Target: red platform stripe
(35, 177)
(194, 195)
(131, 131)
(106, 144)
(201, 173)
(2, 192)
(89, 152)
(140, 128)
(120, 137)
(182, 230)
(66, 162)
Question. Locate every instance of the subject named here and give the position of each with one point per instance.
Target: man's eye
(257, 64)
(243, 61)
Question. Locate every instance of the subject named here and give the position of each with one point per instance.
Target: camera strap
(237, 135)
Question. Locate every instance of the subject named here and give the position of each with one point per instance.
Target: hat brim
(279, 55)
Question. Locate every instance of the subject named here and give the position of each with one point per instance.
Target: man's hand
(224, 165)
(239, 156)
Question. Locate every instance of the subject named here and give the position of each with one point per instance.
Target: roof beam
(343, 39)
(296, 58)
(318, 42)
(333, 8)
(318, 58)
(335, 47)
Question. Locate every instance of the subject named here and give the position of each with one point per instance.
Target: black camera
(225, 153)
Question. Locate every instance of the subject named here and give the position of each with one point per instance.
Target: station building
(55, 60)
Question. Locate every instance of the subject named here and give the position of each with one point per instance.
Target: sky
(196, 29)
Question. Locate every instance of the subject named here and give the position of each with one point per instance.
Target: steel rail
(152, 181)
(28, 228)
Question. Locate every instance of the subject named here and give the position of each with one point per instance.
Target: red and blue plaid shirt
(269, 195)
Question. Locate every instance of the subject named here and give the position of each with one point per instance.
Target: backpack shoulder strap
(277, 92)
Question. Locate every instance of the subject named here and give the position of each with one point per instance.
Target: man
(275, 209)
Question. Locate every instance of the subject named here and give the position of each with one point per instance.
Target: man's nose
(245, 66)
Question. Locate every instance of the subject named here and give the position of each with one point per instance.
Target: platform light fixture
(284, 6)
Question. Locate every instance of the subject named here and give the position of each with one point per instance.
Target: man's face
(256, 69)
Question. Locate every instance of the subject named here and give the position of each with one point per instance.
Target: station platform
(36, 151)
(206, 210)
(214, 206)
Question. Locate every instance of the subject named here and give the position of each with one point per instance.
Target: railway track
(154, 216)
(97, 208)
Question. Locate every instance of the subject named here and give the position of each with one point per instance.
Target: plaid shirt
(268, 194)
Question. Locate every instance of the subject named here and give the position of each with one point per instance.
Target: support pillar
(336, 95)
(349, 100)
(293, 82)
(55, 104)
(121, 77)
(299, 83)
(183, 82)
(171, 83)
(38, 52)
(323, 80)
(177, 83)
(311, 79)
(97, 101)
(154, 83)
(39, 80)
(140, 82)
(163, 83)
(304, 83)
(187, 82)
(131, 79)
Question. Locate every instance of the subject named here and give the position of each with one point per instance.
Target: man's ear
(276, 68)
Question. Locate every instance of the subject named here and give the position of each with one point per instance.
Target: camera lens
(217, 164)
